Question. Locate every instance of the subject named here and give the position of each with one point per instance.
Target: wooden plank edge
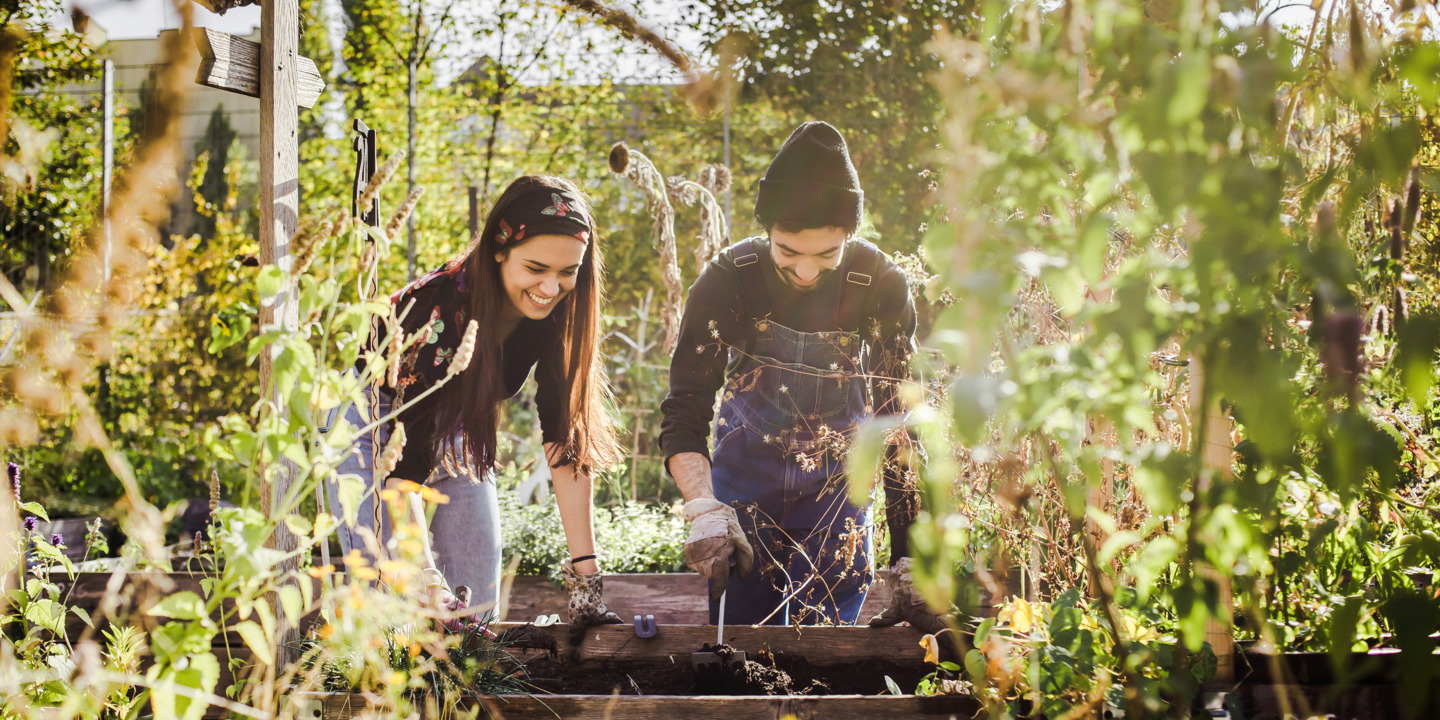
(821, 645)
(344, 706)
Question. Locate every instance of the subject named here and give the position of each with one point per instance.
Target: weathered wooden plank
(819, 644)
(668, 707)
(233, 63)
(673, 598)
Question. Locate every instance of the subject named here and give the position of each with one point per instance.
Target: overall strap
(754, 300)
(860, 276)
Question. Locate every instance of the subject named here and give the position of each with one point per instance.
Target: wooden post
(1215, 459)
(279, 215)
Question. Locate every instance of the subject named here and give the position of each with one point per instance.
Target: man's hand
(716, 542)
(906, 604)
(587, 604)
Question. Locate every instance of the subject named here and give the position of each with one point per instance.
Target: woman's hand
(587, 604)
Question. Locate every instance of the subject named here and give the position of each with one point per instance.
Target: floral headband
(544, 212)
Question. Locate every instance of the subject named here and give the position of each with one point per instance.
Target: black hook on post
(365, 165)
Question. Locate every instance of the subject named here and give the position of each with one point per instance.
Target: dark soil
(763, 673)
(529, 637)
(748, 677)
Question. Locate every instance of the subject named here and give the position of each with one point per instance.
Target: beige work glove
(906, 604)
(587, 602)
(716, 542)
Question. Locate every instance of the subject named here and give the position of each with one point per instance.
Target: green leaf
(291, 603)
(36, 510)
(1151, 562)
(1417, 341)
(47, 614)
(298, 524)
(1192, 87)
(975, 666)
(982, 632)
(254, 636)
(184, 605)
(83, 614)
(352, 493)
(1344, 621)
(269, 283)
(894, 689)
(200, 672)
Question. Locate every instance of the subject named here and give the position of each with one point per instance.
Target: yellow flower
(320, 570)
(932, 649)
(431, 495)
(1019, 613)
(409, 486)
(364, 573)
(396, 678)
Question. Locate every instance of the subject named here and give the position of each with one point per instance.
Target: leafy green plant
(632, 537)
(1162, 236)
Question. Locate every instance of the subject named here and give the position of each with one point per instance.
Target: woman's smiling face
(539, 273)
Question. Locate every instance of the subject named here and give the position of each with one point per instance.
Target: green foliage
(165, 386)
(864, 67)
(49, 186)
(1139, 197)
(632, 537)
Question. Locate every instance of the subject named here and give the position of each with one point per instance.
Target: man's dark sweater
(715, 320)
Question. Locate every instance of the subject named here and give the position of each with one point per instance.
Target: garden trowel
(715, 657)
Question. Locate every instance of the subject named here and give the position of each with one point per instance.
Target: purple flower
(57, 539)
(12, 471)
(31, 523)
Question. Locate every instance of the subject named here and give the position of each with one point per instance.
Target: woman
(531, 281)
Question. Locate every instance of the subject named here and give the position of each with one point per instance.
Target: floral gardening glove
(906, 604)
(716, 542)
(587, 606)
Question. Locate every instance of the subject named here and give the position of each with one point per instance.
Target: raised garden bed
(615, 673)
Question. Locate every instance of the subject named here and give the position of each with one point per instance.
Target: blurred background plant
(1166, 232)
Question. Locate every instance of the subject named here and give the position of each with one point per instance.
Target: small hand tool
(712, 658)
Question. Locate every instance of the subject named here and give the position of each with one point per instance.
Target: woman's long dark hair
(589, 436)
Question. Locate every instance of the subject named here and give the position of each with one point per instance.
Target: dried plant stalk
(638, 169)
(714, 231)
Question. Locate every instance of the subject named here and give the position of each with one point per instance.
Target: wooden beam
(667, 707)
(220, 6)
(279, 216)
(232, 63)
(821, 645)
(1215, 459)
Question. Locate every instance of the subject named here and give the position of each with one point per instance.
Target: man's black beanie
(811, 177)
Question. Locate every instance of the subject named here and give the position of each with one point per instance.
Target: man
(800, 329)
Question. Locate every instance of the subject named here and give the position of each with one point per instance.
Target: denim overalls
(788, 396)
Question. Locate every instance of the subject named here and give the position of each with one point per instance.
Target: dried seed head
(394, 450)
(466, 351)
(392, 375)
(1341, 349)
(397, 220)
(715, 178)
(214, 493)
(378, 180)
(619, 158)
